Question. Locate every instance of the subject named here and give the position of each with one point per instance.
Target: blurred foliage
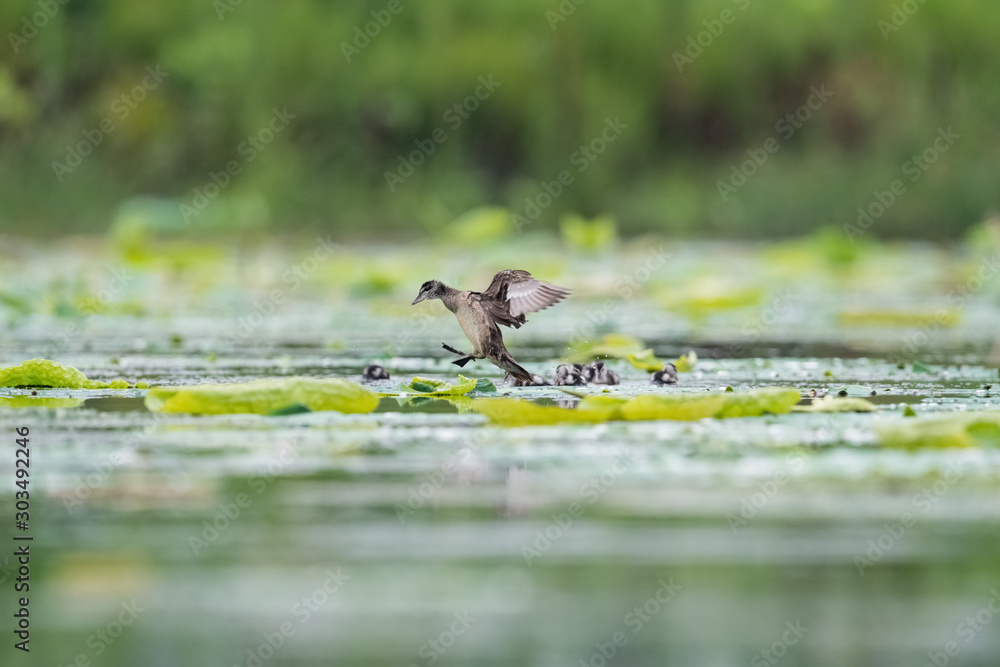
(289, 116)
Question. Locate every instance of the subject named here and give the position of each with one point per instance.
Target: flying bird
(512, 294)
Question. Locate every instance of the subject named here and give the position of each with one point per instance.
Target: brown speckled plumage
(511, 295)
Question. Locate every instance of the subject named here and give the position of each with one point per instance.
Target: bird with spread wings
(512, 294)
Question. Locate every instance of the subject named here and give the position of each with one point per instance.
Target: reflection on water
(420, 535)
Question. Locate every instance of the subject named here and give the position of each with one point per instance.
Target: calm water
(419, 534)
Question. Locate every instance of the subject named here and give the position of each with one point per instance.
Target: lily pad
(832, 404)
(429, 386)
(977, 429)
(645, 360)
(773, 400)
(615, 346)
(684, 407)
(43, 373)
(263, 397)
(515, 412)
(686, 362)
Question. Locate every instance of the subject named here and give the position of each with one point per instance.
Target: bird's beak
(420, 297)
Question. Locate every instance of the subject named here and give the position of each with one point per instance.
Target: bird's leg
(464, 358)
(453, 350)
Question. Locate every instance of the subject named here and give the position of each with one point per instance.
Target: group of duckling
(567, 375)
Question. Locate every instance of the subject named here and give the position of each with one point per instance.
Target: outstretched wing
(514, 293)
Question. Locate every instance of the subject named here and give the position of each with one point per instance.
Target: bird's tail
(505, 361)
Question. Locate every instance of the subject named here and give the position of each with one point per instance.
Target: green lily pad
(19, 402)
(43, 373)
(773, 400)
(615, 346)
(684, 407)
(422, 385)
(686, 362)
(48, 373)
(485, 385)
(263, 397)
(645, 360)
(833, 404)
(976, 429)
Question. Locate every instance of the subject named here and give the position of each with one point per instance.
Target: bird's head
(432, 289)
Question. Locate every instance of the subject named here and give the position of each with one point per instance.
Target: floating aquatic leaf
(920, 368)
(43, 373)
(18, 402)
(433, 387)
(485, 385)
(616, 346)
(645, 360)
(48, 373)
(684, 407)
(886, 318)
(773, 400)
(293, 409)
(831, 404)
(479, 227)
(908, 411)
(975, 429)
(515, 412)
(686, 362)
(263, 397)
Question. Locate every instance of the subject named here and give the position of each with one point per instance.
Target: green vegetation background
(559, 83)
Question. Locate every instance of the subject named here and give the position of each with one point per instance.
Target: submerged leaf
(263, 397)
(832, 404)
(433, 387)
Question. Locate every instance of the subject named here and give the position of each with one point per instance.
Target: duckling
(666, 376)
(570, 375)
(598, 373)
(373, 372)
(511, 295)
